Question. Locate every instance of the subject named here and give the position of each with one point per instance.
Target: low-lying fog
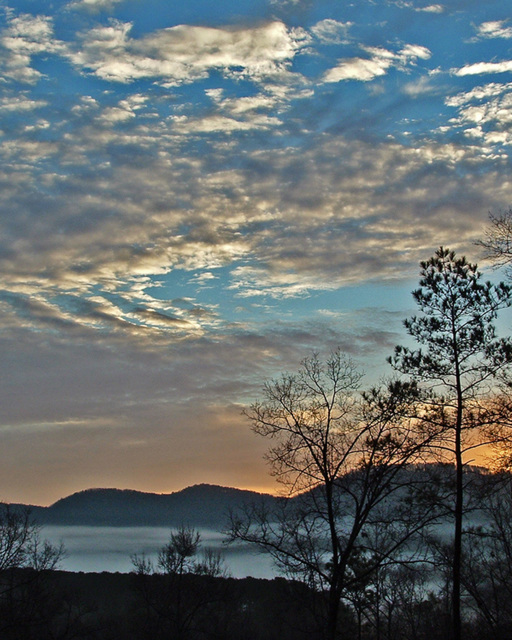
(95, 549)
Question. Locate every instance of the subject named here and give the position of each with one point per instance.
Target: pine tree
(458, 364)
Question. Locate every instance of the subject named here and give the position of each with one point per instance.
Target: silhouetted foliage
(498, 239)
(31, 608)
(341, 455)
(458, 364)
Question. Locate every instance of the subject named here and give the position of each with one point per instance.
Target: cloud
(431, 8)
(245, 104)
(281, 222)
(422, 86)
(20, 103)
(243, 113)
(485, 112)
(93, 5)
(494, 29)
(125, 109)
(331, 31)
(187, 53)
(219, 123)
(26, 35)
(480, 93)
(381, 60)
(180, 403)
(358, 69)
(119, 200)
(188, 210)
(484, 67)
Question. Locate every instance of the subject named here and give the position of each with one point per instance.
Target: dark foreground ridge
(202, 505)
(115, 606)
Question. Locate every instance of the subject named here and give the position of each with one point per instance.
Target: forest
(387, 530)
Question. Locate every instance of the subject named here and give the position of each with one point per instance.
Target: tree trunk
(457, 544)
(332, 615)
(459, 500)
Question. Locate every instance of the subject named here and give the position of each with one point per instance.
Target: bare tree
(342, 457)
(21, 545)
(498, 239)
(487, 569)
(178, 555)
(30, 607)
(181, 593)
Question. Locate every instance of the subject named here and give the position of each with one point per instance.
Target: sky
(195, 196)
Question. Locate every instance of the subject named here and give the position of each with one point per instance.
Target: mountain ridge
(200, 505)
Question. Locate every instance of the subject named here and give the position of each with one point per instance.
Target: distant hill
(202, 505)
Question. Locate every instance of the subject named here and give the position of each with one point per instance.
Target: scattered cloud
(431, 8)
(94, 5)
(219, 123)
(485, 112)
(186, 53)
(125, 109)
(494, 29)
(20, 103)
(378, 64)
(25, 36)
(479, 68)
(331, 31)
(480, 93)
(191, 207)
(422, 86)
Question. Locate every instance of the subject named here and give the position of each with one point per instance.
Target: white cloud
(357, 69)
(366, 69)
(413, 51)
(86, 104)
(485, 113)
(483, 92)
(203, 279)
(330, 31)
(111, 115)
(431, 8)
(484, 67)
(494, 29)
(242, 113)
(245, 104)
(186, 53)
(218, 123)
(94, 5)
(420, 87)
(125, 110)
(20, 103)
(25, 36)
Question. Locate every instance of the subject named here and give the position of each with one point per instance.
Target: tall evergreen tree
(458, 364)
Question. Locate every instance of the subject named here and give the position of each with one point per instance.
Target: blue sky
(196, 197)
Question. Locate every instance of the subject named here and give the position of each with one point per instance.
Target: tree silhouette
(498, 239)
(342, 458)
(459, 362)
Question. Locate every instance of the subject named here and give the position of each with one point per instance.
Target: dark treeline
(104, 606)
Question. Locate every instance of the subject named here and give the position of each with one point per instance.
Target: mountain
(202, 505)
